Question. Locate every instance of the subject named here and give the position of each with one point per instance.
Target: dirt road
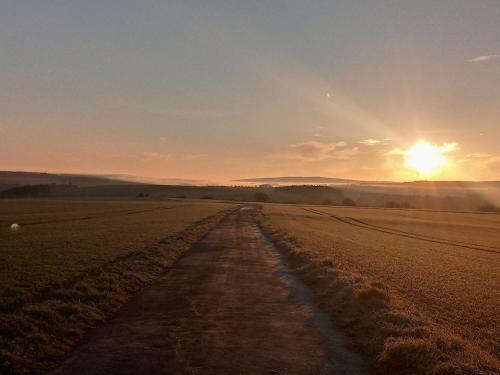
(229, 306)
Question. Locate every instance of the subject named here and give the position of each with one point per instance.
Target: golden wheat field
(413, 285)
(70, 264)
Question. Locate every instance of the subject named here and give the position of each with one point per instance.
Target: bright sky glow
(218, 90)
(426, 158)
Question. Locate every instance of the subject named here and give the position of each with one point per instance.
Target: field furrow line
(83, 218)
(396, 232)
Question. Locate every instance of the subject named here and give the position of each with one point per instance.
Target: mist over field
(438, 195)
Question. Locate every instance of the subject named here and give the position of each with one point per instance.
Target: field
(72, 263)
(415, 290)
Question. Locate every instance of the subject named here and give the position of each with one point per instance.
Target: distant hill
(297, 180)
(293, 180)
(9, 179)
(439, 195)
(453, 195)
(160, 181)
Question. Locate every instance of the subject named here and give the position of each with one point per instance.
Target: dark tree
(392, 204)
(261, 197)
(348, 202)
(406, 205)
(488, 207)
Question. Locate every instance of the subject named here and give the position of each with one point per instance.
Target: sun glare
(425, 158)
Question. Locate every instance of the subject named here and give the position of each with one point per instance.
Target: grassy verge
(37, 332)
(391, 333)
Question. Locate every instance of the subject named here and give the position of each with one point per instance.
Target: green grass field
(57, 240)
(70, 264)
(423, 286)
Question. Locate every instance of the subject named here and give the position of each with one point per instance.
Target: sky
(220, 90)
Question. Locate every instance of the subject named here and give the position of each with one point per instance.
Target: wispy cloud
(374, 142)
(479, 155)
(316, 151)
(153, 155)
(445, 148)
(449, 147)
(396, 152)
(308, 151)
(158, 156)
(345, 153)
(484, 58)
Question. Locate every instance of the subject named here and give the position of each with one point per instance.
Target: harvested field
(423, 286)
(72, 263)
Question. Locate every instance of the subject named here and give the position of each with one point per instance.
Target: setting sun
(425, 158)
